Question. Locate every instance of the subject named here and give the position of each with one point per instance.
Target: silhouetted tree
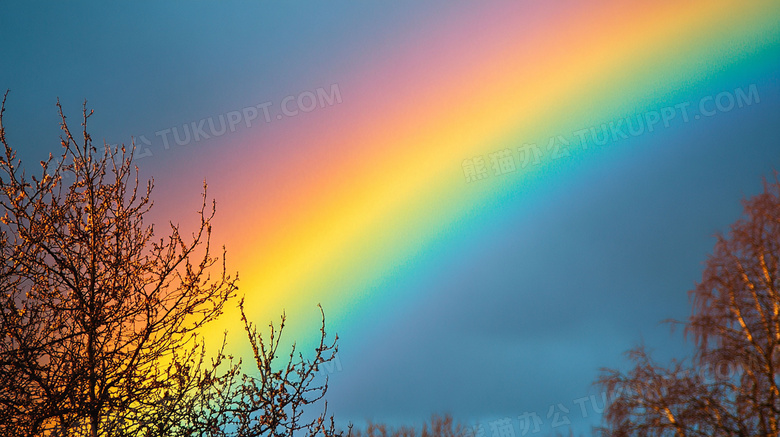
(437, 426)
(100, 318)
(731, 386)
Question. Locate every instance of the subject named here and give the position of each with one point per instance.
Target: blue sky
(534, 307)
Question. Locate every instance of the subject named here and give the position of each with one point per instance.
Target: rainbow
(352, 204)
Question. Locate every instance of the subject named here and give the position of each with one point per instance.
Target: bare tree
(730, 387)
(437, 426)
(100, 318)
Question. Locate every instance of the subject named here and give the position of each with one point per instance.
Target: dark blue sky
(539, 304)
